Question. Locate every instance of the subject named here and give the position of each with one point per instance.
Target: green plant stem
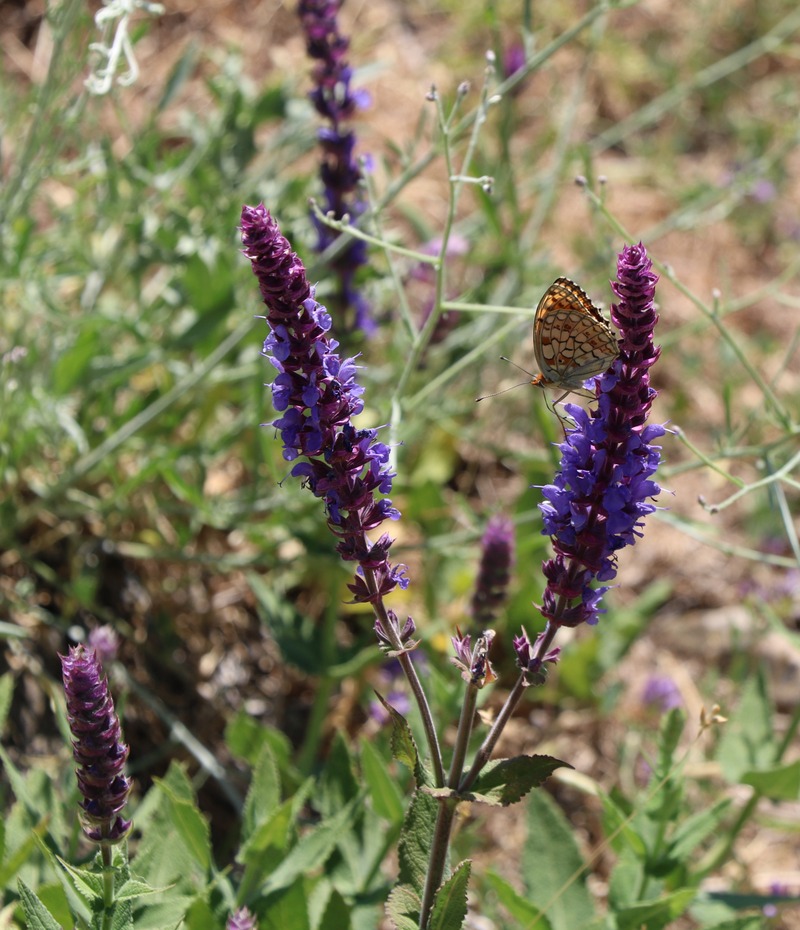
(487, 746)
(410, 672)
(438, 858)
(107, 854)
(463, 735)
(444, 818)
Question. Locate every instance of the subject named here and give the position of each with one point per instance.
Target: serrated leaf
(781, 783)
(404, 748)
(450, 904)
(506, 781)
(37, 917)
(264, 793)
(552, 868)
(134, 888)
(519, 907)
(123, 916)
(416, 839)
(403, 907)
(312, 850)
(386, 797)
(191, 826)
(88, 883)
(656, 915)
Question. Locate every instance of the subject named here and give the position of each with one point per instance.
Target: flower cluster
(473, 661)
(596, 503)
(494, 574)
(335, 101)
(97, 746)
(317, 395)
(529, 661)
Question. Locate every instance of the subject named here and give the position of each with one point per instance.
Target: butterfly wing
(571, 340)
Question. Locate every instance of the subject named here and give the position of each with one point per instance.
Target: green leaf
(123, 916)
(312, 850)
(655, 914)
(264, 793)
(518, 906)
(403, 907)
(6, 692)
(287, 908)
(552, 869)
(506, 781)
(781, 783)
(338, 785)
(245, 737)
(669, 736)
(691, 833)
(618, 827)
(747, 741)
(450, 904)
(386, 797)
(37, 917)
(87, 882)
(194, 830)
(336, 915)
(626, 878)
(416, 839)
(404, 749)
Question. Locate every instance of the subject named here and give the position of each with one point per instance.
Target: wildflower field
(297, 632)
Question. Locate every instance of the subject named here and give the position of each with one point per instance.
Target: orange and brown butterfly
(571, 340)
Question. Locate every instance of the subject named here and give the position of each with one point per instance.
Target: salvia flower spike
(604, 488)
(317, 395)
(97, 746)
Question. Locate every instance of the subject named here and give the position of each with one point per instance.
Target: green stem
(438, 857)
(463, 735)
(410, 672)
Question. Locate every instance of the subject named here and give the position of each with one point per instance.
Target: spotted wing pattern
(571, 340)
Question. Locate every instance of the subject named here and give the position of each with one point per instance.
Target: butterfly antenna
(504, 391)
(525, 371)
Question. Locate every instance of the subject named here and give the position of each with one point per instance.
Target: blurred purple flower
(317, 393)
(105, 642)
(336, 102)
(597, 502)
(494, 573)
(662, 690)
(96, 746)
(241, 920)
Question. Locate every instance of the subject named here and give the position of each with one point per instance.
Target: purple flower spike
(241, 920)
(97, 746)
(336, 102)
(317, 394)
(599, 498)
(494, 574)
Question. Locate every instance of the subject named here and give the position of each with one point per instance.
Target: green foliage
(139, 489)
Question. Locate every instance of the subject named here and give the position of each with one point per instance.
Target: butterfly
(571, 340)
